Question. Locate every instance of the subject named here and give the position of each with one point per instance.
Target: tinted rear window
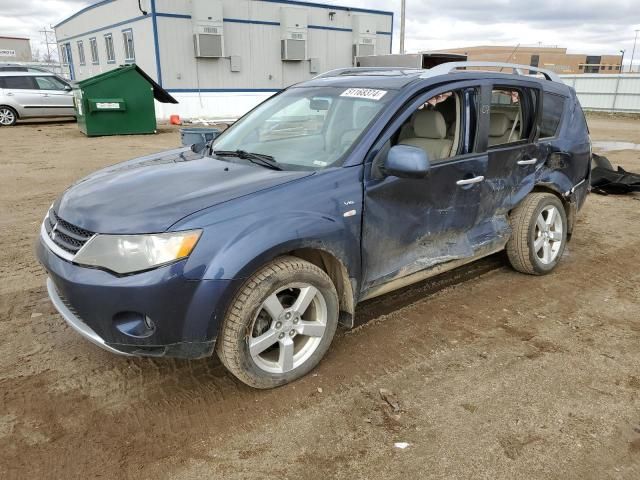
(19, 82)
(552, 107)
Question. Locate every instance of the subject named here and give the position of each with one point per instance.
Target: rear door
(55, 97)
(410, 225)
(513, 155)
(23, 93)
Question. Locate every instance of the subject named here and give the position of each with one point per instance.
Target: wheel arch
(339, 275)
(570, 209)
(15, 110)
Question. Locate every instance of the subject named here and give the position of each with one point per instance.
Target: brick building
(551, 58)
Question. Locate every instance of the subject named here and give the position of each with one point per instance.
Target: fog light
(134, 324)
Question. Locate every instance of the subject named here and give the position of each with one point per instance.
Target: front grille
(64, 234)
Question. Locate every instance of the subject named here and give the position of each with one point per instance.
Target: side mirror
(405, 161)
(198, 147)
(68, 88)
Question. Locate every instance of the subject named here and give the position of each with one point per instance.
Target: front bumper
(185, 313)
(74, 322)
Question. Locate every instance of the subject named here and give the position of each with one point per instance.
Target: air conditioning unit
(364, 35)
(366, 48)
(208, 33)
(208, 45)
(293, 34)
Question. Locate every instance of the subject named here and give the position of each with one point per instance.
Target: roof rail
(360, 70)
(516, 69)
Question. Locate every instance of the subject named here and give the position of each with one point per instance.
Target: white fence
(607, 92)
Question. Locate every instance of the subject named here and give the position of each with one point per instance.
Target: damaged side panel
(411, 225)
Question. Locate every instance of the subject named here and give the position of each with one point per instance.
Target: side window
(49, 83)
(20, 83)
(552, 108)
(512, 115)
(434, 126)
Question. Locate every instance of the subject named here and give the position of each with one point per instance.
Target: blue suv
(338, 189)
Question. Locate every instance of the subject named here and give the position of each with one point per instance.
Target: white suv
(33, 94)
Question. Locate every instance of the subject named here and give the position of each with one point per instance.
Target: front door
(411, 225)
(56, 98)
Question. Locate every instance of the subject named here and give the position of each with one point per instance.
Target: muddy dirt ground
(501, 376)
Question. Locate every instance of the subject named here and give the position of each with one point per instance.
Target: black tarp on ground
(617, 182)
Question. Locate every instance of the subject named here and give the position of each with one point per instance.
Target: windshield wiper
(258, 158)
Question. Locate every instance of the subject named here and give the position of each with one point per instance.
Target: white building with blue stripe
(219, 58)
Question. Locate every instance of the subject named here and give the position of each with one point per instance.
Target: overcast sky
(583, 26)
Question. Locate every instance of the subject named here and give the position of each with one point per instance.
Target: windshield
(306, 127)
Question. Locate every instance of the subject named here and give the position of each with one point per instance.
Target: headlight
(133, 253)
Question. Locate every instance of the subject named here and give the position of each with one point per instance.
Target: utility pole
(633, 54)
(402, 16)
(622, 61)
(49, 42)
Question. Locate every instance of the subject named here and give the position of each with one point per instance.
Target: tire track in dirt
(198, 397)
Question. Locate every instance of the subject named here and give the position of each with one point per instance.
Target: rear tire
(8, 116)
(539, 234)
(280, 324)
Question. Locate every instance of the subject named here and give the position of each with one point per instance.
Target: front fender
(263, 241)
(322, 212)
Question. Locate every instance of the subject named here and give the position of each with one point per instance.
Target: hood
(149, 194)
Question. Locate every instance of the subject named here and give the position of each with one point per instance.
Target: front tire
(280, 324)
(539, 234)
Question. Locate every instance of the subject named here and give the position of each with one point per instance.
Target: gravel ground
(499, 376)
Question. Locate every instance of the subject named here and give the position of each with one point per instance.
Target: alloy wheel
(7, 117)
(288, 328)
(548, 234)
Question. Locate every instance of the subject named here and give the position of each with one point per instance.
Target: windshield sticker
(320, 163)
(368, 93)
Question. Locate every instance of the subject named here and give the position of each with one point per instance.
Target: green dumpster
(118, 102)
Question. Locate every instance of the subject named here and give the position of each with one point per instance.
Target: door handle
(9, 94)
(529, 161)
(470, 181)
(45, 94)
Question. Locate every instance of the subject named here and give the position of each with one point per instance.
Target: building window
(580, 67)
(65, 53)
(94, 51)
(618, 67)
(610, 67)
(129, 52)
(108, 43)
(81, 52)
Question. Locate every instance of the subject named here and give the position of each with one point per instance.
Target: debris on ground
(389, 397)
(607, 181)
